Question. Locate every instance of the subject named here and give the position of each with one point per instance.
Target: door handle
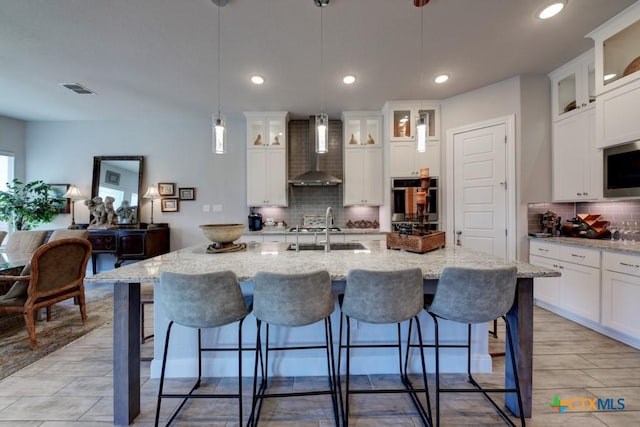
(458, 240)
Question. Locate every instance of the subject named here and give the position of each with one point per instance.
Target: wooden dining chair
(57, 273)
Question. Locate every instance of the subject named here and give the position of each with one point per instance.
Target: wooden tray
(419, 244)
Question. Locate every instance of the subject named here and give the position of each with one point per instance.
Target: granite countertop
(599, 244)
(275, 257)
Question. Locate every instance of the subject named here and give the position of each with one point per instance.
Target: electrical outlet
(206, 208)
(216, 208)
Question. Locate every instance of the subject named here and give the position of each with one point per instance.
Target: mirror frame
(95, 183)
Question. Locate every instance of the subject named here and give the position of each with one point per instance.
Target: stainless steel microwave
(622, 170)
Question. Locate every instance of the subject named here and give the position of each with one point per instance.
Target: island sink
(320, 247)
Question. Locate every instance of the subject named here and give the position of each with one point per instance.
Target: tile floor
(73, 387)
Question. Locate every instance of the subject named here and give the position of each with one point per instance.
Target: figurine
(258, 140)
(353, 140)
(370, 140)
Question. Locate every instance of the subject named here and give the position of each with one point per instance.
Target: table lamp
(74, 194)
(152, 193)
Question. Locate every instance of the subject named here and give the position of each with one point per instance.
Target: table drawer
(103, 242)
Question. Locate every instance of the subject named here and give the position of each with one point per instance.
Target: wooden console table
(129, 243)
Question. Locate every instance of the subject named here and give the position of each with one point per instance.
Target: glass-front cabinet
(573, 86)
(403, 116)
(266, 129)
(362, 128)
(267, 158)
(363, 164)
(617, 49)
(617, 59)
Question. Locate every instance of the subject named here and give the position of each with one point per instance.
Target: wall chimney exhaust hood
(314, 177)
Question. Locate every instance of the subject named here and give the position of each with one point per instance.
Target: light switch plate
(217, 208)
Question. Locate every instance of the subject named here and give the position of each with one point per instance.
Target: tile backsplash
(315, 200)
(621, 210)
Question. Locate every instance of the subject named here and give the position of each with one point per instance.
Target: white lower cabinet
(621, 293)
(576, 293)
(546, 289)
(598, 289)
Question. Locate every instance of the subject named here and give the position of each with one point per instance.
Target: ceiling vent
(78, 88)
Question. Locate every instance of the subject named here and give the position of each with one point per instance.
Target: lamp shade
(152, 193)
(73, 193)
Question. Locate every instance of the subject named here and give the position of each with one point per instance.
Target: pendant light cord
(219, 77)
(321, 60)
(421, 54)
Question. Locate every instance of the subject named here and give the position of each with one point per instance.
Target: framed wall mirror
(121, 178)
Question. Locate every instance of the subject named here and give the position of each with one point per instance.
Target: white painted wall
(174, 151)
(528, 97)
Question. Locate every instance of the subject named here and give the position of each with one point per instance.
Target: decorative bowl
(224, 234)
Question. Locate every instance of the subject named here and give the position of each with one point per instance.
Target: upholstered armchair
(57, 273)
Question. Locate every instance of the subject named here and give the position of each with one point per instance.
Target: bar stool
(474, 296)
(385, 297)
(201, 301)
(292, 300)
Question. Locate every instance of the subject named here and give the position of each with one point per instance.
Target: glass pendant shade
(322, 133)
(421, 132)
(219, 140)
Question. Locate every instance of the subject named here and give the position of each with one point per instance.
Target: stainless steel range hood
(314, 177)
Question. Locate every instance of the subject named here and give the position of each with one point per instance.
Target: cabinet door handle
(577, 256)
(629, 265)
(543, 250)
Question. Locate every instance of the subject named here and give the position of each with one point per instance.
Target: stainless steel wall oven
(404, 207)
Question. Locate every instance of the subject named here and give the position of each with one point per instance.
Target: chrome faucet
(327, 226)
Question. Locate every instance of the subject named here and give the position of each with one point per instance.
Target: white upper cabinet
(573, 86)
(617, 65)
(617, 50)
(267, 129)
(362, 129)
(363, 164)
(402, 117)
(267, 158)
(400, 121)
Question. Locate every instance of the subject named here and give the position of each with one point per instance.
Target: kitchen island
(275, 257)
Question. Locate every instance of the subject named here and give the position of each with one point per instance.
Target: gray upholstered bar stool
(200, 301)
(385, 297)
(475, 296)
(292, 300)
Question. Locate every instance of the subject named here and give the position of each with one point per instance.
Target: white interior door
(480, 189)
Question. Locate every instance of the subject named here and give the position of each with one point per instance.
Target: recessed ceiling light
(257, 80)
(349, 79)
(441, 78)
(551, 9)
(609, 76)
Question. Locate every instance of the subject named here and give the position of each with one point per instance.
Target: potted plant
(27, 205)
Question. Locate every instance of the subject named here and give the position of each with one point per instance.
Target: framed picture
(166, 188)
(57, 190)
(187, 193)
(169, 204)
(111, 177)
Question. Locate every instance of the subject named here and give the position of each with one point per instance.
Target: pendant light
(219, 132)
(322, 120)
(422, 132)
